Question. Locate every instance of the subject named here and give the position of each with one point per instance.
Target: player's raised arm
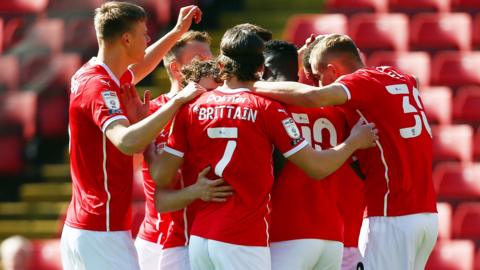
(302, 94)
(320, 164)
(155, 52)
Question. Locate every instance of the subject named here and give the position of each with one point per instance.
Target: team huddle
(244, 166)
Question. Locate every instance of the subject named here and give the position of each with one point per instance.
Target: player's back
(399, 174)
(233, 132)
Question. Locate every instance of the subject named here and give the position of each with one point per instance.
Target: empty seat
(452, 255)
(476, 145)
(23, 6)
(452, 143)
(433, 32)
(456, 69)
(455, 181)
(9, 75)
(300, 27)
(437, 101)
(11, 155)
(46, 255)
(52, 117)
(379, 32)
(470, 6)
(64, 7)
(20, 107)
(417, 6)
(466, 106)
(476, 32)
(53, 40)
(357, 6)
(138, 214)
(80, 36)
(466, 221)
(444, 220)
(415, 63)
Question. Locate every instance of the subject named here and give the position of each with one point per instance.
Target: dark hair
(307, 53)
(264, 34)
(334, 46)
(112, 19)
(281, 61)
(241, 55)
(196, 70)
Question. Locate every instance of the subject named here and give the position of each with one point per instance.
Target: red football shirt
(233, 132)
(102, 176)
(317, 210)
(154, 227)
(399, 169)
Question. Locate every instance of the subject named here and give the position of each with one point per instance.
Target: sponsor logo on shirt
(111, 102)
(291, 128)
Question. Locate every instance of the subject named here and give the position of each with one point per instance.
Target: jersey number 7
(224, 133)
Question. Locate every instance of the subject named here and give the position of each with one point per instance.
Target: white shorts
(403, 242)
(206, 254)
(175, 259)
(306, 254)
(149, 254)
(351, 258)
(83, 249)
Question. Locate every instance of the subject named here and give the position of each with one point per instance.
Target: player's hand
(211, 190)
(191, 91)
(136, 110)
(364, 135)
(186, 16)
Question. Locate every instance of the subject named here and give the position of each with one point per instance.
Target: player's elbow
(129, 146)
(317, 174)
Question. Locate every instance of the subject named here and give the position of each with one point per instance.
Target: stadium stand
(411, 7)
(356, 6)
(452, 255)
(466, 221)
(45, 255)
(456, 69)
(372, 32)
(437, 102)
(457, 182)
(470, 6)
(444, 221)
(9, 77)
(466, 105)
(453, 142)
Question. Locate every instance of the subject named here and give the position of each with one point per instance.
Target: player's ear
(126, 39)
(174, 68)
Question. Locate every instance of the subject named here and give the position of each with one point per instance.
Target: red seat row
(404, 6)
(457, 181)
(391, 31)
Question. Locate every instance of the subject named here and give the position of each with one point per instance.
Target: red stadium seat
(379, 32)
(417, 6)
(46, 255)
(452, 255)
(466, 221)
(466, 106)
(23, 6)
(138, 214)
(300, 27)
(433, 32)
(80, 36)
(73, 6)
(53, 41)
(452, 143)
(476, 32)
(454, 181)
(444, 221)
(20, 107)
(456, 69)
(415, 63)
(1, 34)
(437, 101)
(52, 117)
(476, 145)
(357, 6)
(470, 6)
(9, 75)
(477, 261)
(11, 155)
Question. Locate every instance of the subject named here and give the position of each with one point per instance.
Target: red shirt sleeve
(103, 104)
(283, 131)
(177, 143)
(358, 89)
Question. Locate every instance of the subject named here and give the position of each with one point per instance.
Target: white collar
(114, 78)
(225, 90)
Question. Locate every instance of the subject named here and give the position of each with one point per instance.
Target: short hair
(264, 34)
(185, 39)
(308, 52)
(334, 46)
(112, 19)
(241, 55)
(196, 70)
(282, 57)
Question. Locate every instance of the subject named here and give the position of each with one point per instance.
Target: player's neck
(175, 88)
(112, 57)
(234, 83)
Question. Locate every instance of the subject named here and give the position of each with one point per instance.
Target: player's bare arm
(155, 52)
(302, 94)
(320, 164)
(131, 139)
(163, 168)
